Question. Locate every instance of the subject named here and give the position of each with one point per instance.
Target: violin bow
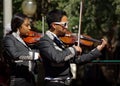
(73, 65)
(80, 18)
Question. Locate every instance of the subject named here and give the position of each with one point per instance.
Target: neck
(53, 31)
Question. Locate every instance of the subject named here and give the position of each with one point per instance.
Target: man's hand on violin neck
(78, 49)
(102, 45)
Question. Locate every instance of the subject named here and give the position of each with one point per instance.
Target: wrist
(100, 47)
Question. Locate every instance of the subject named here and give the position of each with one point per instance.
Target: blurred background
(100, 18)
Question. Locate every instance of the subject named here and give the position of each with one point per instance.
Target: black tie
(59, 43)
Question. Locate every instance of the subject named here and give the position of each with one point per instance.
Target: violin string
(90, 39)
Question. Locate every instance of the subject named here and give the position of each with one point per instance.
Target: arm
(95, 53)
(15, 49)
(92, 54)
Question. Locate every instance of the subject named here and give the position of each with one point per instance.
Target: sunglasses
(63, 24)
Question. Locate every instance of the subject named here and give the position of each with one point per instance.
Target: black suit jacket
(16, 53)
(54, 57)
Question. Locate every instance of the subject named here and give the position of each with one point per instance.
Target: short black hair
(54, 16)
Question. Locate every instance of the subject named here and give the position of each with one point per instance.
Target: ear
(53, 25)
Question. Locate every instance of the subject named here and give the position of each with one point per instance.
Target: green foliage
(17, 6)
(117, 3)
(39, 26)
(98, 16)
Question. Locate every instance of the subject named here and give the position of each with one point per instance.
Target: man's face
(61, 27)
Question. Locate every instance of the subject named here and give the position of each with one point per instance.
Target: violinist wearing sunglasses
(56, 56)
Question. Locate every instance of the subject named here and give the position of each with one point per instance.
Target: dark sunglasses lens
(65, 24)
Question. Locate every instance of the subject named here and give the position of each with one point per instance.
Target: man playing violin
(56, 57)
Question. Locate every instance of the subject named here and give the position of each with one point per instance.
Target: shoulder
(10, 36)
(45, 38)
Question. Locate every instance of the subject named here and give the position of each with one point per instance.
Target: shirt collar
(17, 36)
(51, 34)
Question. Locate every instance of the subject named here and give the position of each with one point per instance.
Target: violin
(32, 37)
(86, 40)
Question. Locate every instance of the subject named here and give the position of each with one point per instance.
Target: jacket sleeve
(16, 50)
(93, 54)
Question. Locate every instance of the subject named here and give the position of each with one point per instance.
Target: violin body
(86, 40)
(68, 40)
(32, 37)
